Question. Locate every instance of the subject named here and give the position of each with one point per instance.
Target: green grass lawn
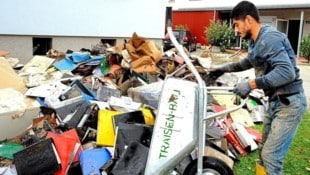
(297, 161)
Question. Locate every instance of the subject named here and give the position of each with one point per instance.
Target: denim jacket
(274, 61)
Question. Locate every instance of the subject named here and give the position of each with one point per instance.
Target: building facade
(33, 26)
(289, 17)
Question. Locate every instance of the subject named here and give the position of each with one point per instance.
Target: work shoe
(260, 169)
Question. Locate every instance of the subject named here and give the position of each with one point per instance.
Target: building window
(41, 45)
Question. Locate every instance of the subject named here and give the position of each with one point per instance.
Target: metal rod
(226, 111)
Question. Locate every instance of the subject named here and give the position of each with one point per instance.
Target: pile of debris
(93, 111)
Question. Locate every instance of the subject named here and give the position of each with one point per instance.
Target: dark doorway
(224, 16)
(168, 17)
(293, 32)
(41, 45)
(111, 42)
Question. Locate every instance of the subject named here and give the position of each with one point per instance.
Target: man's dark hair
(244, 8)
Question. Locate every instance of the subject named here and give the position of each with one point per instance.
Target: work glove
(242, 89)
(215, 73)
(211, 77)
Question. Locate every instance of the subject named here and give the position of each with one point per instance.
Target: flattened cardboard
(38, 64)
(9, 78)
(242, 116)
(144, 54)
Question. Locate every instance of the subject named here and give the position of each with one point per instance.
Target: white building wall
(91, 18)
(18, 46)
(306, 28)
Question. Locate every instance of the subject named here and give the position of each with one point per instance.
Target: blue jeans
(280, 126)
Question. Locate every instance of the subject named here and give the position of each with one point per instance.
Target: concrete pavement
(304, 71)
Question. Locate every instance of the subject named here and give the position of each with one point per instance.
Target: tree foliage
(305, 47)
(218, 33)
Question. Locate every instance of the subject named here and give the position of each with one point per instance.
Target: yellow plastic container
(148, 116)
(105, 129)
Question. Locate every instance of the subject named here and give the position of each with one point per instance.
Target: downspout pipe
(301, 24)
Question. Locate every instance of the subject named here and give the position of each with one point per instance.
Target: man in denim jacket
(274, 61)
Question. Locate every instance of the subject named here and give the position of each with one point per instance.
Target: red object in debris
(232, 139)
(65, 144)
(218, 108)
(185, 39)
(257, 135)
(178, 59)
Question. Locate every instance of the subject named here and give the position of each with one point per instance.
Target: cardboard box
(15, 122)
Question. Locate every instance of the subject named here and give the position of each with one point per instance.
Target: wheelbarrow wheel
(211, 166)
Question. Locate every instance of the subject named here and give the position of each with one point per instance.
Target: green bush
(218, 33)
(305, 47)
(245, 44)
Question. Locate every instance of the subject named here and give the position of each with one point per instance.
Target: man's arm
(218, 71)
(282, 71)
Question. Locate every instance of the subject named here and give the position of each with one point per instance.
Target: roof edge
(259, 7)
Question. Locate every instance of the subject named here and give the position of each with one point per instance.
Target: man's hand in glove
(212, 76)
(215, 73)
(244, 88)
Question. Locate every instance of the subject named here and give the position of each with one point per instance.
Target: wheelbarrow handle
(222, 90)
